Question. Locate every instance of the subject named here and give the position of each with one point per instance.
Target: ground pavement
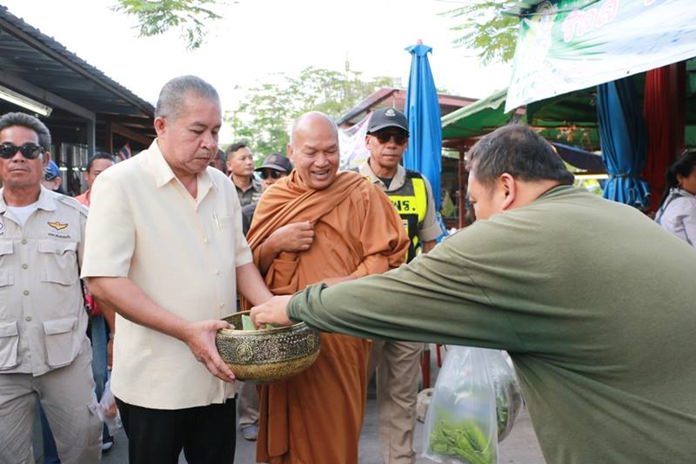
(520, 447)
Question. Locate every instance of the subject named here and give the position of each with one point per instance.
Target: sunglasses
(271, 173)
(28, 150)
(400, 137)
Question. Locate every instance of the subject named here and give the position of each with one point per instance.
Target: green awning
(476, 119)
(566, 119)
(569, 118)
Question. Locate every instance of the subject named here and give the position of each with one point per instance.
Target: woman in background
(677, 213)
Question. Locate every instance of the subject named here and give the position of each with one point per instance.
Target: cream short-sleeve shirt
(183, 253)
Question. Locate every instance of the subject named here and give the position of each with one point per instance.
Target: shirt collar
(680, 191)
(163, 173)
(254, 185)
(397, 181)
(46, 201)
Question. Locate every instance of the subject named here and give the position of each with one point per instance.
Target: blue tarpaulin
(623, 141)
(422, 108)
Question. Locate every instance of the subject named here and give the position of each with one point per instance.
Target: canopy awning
(568, 119)
(567, 45)
(479, 118)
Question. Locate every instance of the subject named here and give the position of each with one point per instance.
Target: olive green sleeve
(432, 299)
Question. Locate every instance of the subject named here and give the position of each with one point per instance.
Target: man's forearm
(267, 254)
(126, 298)
(250, 284)
(109, 313)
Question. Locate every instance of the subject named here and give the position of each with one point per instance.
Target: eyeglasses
(400, 137)
(28, 150)
(266, 173)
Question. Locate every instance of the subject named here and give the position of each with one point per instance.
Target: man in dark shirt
(240, 167)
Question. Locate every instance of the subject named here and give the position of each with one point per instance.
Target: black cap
(387, 117)
(276, 161)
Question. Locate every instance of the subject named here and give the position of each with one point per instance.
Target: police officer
(44, 350)
(398, 363)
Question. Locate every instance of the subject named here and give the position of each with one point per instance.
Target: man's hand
(274, 311)
(294, 237)
(200, 338)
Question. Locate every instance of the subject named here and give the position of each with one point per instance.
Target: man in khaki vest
(44, 350)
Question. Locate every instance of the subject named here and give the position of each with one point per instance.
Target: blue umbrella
(624, 143)
(422, 108)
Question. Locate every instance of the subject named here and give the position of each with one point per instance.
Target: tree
(264, 116)
(485, 28)
(158, 16)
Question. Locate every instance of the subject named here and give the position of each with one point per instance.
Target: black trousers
(207, 434)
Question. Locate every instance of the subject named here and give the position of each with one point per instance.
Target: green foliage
(158, 16)
(463, 440)
(267, 111)
(483, 27)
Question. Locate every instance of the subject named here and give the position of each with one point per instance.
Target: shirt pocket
(225, 222)
(60, 341)
(6, 249)
(6, 275)
(58, 261)
(9, 343)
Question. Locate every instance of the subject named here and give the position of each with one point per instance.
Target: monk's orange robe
(315, 417)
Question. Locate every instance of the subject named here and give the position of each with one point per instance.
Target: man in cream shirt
(165, 248)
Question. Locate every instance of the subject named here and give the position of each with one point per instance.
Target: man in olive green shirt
(594, 302)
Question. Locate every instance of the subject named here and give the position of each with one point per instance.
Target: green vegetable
(463, 440)
(248, 325)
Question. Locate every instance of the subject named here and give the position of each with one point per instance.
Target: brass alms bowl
(268, 354)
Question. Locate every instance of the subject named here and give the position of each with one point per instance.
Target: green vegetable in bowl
(461, 439)
(248, 325)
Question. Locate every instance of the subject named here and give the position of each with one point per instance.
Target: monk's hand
(273, 311)
(200, 338)
(294, 237)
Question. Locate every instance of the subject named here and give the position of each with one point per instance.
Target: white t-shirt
(22, 213)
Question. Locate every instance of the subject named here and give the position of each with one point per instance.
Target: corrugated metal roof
(31, 56)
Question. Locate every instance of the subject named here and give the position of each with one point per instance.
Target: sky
(258, 39)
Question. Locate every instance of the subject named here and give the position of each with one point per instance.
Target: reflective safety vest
(411, 202)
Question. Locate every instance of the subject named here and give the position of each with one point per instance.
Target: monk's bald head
(310, 121)
(313, 149)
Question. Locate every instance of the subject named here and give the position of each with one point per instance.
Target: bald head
(313, 149)
(310, 121)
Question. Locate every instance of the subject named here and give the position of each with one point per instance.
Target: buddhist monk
(320, 225)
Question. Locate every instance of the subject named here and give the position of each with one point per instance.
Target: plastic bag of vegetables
(474, 405)
(508, 396)
(461, 425)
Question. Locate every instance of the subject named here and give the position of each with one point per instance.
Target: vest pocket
(6, 249)
(9, 343)
(6, 275)
(58, 261)
(59, 341)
